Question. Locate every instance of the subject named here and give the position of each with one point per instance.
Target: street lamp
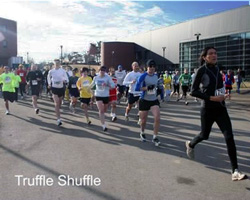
(61, 53)
(163, 49)
(113, 52)
(197, 41)
(27, 57)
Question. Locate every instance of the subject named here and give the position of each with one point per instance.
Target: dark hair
(75, 70)
(204, 54)
(150, 63)
(84, 69)
(103, 68)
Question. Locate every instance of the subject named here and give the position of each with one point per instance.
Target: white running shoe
(190, 151)
(59, 122)
(237, 175)
(7, 112)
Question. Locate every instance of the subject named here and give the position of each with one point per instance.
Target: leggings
(221, 117)
(22, 88)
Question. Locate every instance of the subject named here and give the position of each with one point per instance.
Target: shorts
(85, 100)
(74, 92)
(184, 90)
(121, 88)
(9, 96)
(105, 100)
(177, 88)
(132, 99)
(35, 90)
(113, 98)
(145, 105)
(58, 91)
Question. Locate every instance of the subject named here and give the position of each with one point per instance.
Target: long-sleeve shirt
(130, 80)
(211, 82)
(103, 84)
(120, 76)
(56, 78)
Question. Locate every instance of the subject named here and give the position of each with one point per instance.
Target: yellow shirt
(167, 83)
(83, 84)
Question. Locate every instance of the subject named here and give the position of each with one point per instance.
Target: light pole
(27, 57)
(197, 41)
(163, 49)
(61, 53)
(113, 52)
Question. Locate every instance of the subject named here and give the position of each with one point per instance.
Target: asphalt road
(32, 145)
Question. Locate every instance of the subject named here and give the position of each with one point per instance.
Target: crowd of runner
(142, 90)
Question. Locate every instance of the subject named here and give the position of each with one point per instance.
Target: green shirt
(8, 82)
(17, 81)
(185, 79)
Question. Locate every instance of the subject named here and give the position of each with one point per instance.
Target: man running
(33, 79)
(133, 96)
(22, 73)
(8, 89)
(57, 77)
(147, 83)
(120, 75)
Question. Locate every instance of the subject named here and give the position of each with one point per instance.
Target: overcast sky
(42, 26)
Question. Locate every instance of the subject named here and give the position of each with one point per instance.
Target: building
(177, 46)
(8, 40)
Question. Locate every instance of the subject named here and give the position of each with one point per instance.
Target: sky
(43, 26)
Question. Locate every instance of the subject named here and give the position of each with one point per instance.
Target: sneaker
(190, 151)
(59, 123)
(37, 111)
(88, 121)
(105, 129)
(71, 107)
(7, 112)
(143, 137)
(237, 175)
(126, 118)
(21, 97)
(139, 122)
(156, 141)
(114, 118)
(186, 103)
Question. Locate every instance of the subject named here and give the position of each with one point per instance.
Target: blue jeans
(238, 87)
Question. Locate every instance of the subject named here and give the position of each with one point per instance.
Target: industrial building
(8, 40)
(179, 45)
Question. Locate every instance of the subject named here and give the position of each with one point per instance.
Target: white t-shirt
(130, 77)
(56, 78)
(120, 76)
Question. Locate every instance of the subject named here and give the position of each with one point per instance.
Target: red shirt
(22, 73)
(112, 92)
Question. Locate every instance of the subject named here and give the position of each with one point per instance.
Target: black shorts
(177, 88)
(184, 90)
(145, 105)
(105, 100)
(85, 100)
(121, 88)
(132, 99)
(58, 91)
(35, 90)
(74, 92)
(9, 96)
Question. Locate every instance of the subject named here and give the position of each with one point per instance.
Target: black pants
(16, 94)
(221, 117)
(22, 88)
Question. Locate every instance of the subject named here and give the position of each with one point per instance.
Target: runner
(73, 90)
(83, 85)
(147, 83)
(120, 75)
(22, 73)
(16, 82)
(103, 83)
(34, 78)
(133, 96)
(113, 95)
(176, 84)
(185, 79)
(57, 77)
(208, 86)
(8, 89)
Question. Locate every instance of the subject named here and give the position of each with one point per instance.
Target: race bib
(220, 92)
(73, 86)
(185, 81)
(21, 74)
(151, 92)
(7, 80)
(100, 86)
(57, 82)
(34, 82)
(85, 84)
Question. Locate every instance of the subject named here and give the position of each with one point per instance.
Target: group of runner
(143, 91)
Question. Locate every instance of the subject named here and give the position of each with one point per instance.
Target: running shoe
(59, 122)
(114, 118)
(88, 121)
(7, 112)
(143, 137)
(237, 175)
(186, 103)
(37, 111)
(156, 141)
(189, 151)
(139, 122)
(126, 118)
(105, 129)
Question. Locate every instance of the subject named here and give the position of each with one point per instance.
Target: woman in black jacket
(213, 107)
